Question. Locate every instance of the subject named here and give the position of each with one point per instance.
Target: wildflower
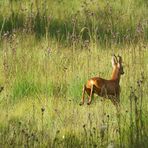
(49, 50)
(102, 130)
(84, 126)
(42, 109)
(1, 88)
(111, 145)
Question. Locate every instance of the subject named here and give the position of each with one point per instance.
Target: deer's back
(103, 86)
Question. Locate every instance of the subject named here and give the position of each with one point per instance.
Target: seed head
(42, 109)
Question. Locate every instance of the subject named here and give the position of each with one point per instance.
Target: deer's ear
(118, 65)
(113, 61)
(119, 59)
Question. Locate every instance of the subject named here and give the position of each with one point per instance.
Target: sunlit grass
(48, 50)
(44, 90)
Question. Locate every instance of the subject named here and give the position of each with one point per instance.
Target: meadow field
(48, 51)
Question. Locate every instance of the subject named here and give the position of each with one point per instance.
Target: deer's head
(117, 64)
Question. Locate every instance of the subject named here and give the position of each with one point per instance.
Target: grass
(45, 62)
(109, 22)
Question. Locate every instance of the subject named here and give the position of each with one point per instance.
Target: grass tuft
(24, 87)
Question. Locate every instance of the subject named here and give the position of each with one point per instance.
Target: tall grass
(48, 51)
(105, 21)
(43, 89)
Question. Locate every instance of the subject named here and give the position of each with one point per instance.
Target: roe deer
(105, 88)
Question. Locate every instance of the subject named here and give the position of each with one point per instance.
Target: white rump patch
(91, 82)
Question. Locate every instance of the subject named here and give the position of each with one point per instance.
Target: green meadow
(48, 51)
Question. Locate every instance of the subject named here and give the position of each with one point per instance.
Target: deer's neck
(115, 74)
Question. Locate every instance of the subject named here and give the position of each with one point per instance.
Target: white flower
(111, 145)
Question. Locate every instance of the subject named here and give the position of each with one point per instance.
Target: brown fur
(105, 88)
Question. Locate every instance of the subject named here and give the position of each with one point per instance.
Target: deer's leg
(83, 94)
(118, 99)
(90, 97)
(116, 102)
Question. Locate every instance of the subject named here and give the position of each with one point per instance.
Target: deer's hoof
(88, 103)
(81, 103)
